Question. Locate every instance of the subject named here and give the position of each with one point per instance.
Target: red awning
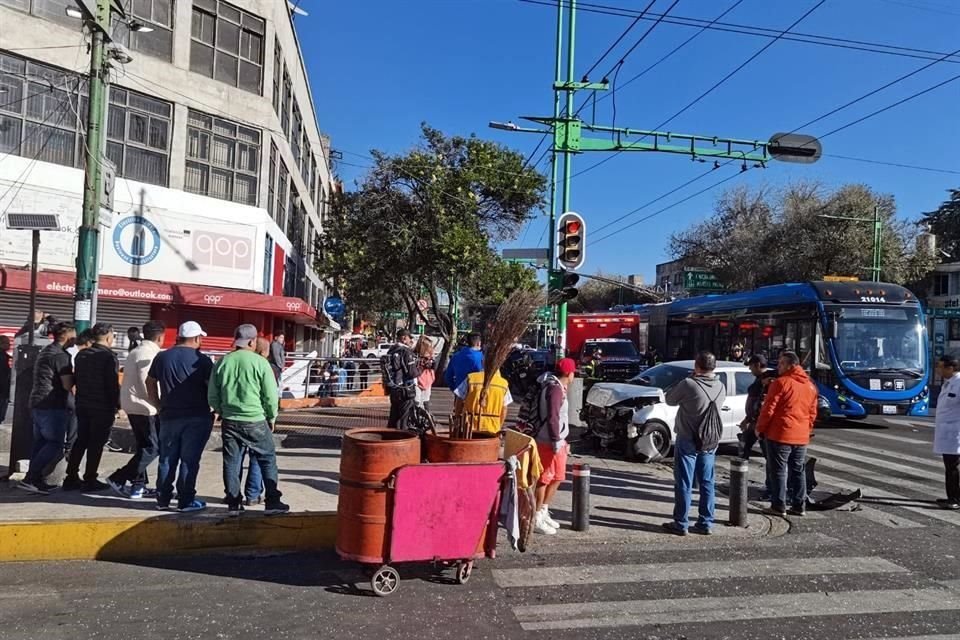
(60, 283)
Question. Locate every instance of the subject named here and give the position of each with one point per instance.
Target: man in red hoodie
(786, 421)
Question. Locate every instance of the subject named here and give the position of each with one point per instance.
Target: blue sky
(378, 68)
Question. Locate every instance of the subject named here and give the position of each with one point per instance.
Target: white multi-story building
(223, 176)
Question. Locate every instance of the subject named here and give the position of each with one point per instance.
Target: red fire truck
(620, 339)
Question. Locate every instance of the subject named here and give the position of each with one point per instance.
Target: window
(308, 243)
(223, 159)
(55, 10)
(313, 184)
(294, 228)
(157, 14)
(954, 329)
(272, 181)
(743, 380)
(138, 136)
(277, 75)
(282, 184)
(305, 166)
(268, 264)
(227, 44)
(296, 131)
(285, 105)
(941, 284)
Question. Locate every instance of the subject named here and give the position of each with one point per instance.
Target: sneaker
(234, 510)
(164, 505)
(276, 508)
(798, 511)
(142, 493)
(548, 520)
(674, 528)
(71, 484)
(701, 530)
(196, 505)
(776, 511)
(32, 487)
(112, 446)
(254, 501)
(118, 488)
(950, 505)
(540, 525)
(95, 485)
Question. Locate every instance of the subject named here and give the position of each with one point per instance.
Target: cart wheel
(464, 571)
(385, 581)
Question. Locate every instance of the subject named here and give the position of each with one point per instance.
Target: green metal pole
(567, 159)
(552, 221)
(89, 240)
(877, 244)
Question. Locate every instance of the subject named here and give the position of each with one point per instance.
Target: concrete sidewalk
(629, 503)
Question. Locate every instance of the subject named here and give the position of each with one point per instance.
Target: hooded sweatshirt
(790, 409)
(692, 397)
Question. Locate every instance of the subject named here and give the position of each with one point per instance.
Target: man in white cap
(243, 392)
(182, 373)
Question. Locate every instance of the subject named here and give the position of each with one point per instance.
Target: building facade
(943, 309)
(223, 176)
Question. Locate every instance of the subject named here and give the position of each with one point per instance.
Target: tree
(597, 294)
(421, 226)
(759, 237)
(945, 224)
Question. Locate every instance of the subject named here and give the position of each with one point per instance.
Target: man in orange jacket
(786, 421)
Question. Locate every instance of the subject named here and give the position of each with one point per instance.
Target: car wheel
(659, 438)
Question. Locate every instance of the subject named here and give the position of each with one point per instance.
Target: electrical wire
(623, 35)
(636, 44)
(712, 88)
(893, 164)
(807, 38)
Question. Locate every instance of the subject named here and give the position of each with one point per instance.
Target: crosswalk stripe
(873, 433)
(948, 636)
(952, 517)
(886, 519)
(560, 546)
(624, 613)
(670, 571)
(910, 423)
(883, 478)
(842, 452)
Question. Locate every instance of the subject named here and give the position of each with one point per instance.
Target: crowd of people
(172, 398)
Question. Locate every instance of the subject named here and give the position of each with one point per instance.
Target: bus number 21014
(872, 299)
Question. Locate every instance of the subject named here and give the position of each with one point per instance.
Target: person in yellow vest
(490, 417)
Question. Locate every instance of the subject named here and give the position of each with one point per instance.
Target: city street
(887, 569)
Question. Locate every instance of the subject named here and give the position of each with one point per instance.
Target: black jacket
(98, 386)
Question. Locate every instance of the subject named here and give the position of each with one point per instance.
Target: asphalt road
(889, 569)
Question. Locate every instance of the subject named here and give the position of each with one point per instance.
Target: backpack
(530, 419)
(392, 369)
(710, 429)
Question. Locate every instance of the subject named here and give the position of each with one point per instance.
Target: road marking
(860, 472)
(886, 519)
(571, 547)
(884, 464)
(669, 571)
(629, 613)
(952, 517)
(949, 636)
(887, 436)
(909, 423)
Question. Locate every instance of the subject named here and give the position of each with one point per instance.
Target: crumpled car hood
(607, 394)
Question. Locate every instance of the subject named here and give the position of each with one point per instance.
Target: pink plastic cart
(441, 513)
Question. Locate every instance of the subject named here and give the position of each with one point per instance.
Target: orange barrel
(482, 447)
(367, 460)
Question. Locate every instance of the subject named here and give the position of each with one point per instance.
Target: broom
(509, 323)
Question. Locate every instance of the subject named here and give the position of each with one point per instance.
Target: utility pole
(567, 131)
(96, 18)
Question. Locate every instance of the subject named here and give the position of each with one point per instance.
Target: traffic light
(563, 286)
(571, 234)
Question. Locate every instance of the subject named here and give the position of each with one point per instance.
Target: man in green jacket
(243, 392)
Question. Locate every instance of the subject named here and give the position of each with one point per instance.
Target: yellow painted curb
(127, 538)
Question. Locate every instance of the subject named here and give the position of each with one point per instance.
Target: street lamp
(877, 238)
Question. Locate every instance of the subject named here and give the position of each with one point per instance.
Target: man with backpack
(699, 427)
(549, 425)
(400, 369)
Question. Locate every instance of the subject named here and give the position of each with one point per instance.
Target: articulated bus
(863, 343)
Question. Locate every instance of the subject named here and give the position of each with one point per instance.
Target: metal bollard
(738, 492)
(581, 497)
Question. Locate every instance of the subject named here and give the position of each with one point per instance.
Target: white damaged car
(634, 417)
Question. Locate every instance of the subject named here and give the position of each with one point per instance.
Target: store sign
(702, 281)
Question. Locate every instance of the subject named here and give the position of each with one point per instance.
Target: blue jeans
(257, 440)
(253, 487)
(785, 462)
(690, 466)
(49, 434)
(181, 444)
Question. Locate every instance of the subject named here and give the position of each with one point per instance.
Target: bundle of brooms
(508, 325)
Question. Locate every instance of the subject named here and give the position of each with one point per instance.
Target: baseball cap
(190, 329)
(244, 334)
(566, 366)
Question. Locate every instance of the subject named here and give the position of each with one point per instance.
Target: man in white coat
(946, 440)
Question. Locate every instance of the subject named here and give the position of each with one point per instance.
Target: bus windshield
(878, 339)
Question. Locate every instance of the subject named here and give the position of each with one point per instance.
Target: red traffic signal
(571, 233)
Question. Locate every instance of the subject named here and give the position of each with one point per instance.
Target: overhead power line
(623, 35)
(764, 32)
(893, 164)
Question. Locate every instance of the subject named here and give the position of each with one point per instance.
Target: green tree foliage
(422, 225)
(945, 224)
(765, 236)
